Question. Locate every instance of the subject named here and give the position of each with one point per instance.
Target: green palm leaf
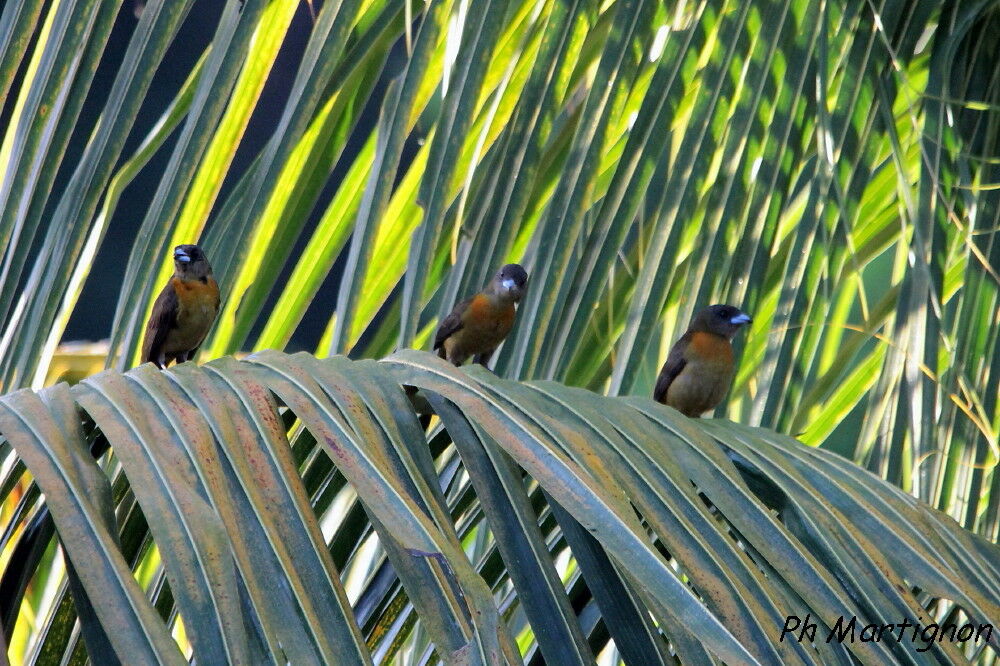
(830, 167)
(206, 448)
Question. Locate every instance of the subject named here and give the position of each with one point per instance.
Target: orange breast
(197, 307)
(704, 381)
(483, 308)
(487, 315)
(485, 324)
(195, 292)
(710, 348)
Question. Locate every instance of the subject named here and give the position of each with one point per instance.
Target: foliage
(214, 465)
(831, 167)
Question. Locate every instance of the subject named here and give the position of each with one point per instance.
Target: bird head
(724, 320)
(509, 282)
(190, 262)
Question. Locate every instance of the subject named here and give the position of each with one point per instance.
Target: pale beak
(507, 284)
(741, 318)
(181, 257)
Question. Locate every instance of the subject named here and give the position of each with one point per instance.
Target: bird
(184, 311)
(699, 368)
(478, 325)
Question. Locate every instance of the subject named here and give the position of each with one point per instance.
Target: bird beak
(741, 318)
(508, 284)
(182, 257)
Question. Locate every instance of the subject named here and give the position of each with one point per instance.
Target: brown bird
(478, 325)
(184, 311)
(699, 368)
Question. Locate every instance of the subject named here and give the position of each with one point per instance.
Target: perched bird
(184, 311)
(478, 325)
(699, 368)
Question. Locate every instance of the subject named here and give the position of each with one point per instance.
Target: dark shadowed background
(103, 285)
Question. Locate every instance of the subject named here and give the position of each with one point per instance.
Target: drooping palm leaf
(206, 453)
(831, 167)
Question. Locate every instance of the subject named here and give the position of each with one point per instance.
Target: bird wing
(451, 323)
(671, 368)
(162, 319)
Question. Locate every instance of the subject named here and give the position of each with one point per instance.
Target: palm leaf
(206, 447)
(831, 167)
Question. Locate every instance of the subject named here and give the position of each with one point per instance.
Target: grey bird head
(190, 262)
(510, 282)
(724, 320)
